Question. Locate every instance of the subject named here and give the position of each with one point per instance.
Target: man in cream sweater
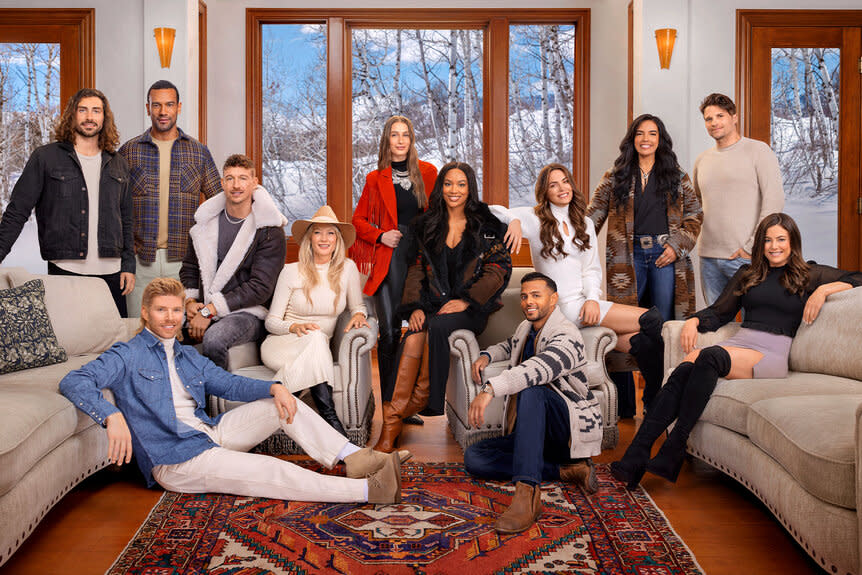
(739, 183)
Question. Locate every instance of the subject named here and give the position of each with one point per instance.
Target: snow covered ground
(25, 252)
(818, 223)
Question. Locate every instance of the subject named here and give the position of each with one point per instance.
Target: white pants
(147, 272)
(229, 469)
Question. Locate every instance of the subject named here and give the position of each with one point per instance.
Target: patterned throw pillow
(26, 336)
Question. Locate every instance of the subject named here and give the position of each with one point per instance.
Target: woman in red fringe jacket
(394, 193)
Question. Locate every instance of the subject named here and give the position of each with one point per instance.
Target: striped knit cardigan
(560, 363)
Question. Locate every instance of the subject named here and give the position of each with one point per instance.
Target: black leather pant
(387, 300)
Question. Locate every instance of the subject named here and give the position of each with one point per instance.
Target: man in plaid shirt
(169, 170)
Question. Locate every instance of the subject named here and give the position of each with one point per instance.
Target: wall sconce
(664, 39)
(165, 44)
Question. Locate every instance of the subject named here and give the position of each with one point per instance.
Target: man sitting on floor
(160, 388)
(554, 417)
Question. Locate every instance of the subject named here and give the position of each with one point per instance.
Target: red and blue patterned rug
(445, 524)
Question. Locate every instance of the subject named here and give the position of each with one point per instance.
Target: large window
(46, 55)
(505, 91)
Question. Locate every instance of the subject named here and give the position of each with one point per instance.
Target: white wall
(704, 61)
(226, 69)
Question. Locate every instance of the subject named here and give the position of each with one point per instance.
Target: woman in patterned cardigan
(460, 269)
(654, 217)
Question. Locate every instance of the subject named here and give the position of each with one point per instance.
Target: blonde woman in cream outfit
(309, 297)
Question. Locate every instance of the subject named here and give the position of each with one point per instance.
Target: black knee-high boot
(712, 363)
(631, 467)
(648, 350)
(322, 396)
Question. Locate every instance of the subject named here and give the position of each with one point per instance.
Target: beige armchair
(352, 395)
(465, 348)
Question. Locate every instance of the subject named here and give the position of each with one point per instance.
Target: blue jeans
(233, 329)
(660, 281)
(715, 273)
(536, 448)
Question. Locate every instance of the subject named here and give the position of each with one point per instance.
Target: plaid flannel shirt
(193, 172)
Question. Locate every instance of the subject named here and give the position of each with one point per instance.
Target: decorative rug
(445, 524)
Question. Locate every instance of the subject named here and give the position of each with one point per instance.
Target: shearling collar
(266, 213)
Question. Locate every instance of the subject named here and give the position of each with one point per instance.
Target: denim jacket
(137, 373)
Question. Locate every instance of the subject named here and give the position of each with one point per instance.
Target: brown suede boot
(525, 509)
(582, 473)
(384, 485)
(366, 461)
(422, 389)
(405, 379)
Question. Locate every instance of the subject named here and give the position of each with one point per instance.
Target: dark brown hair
(238, 161)
(384, 157)
(64, 131)
(720, 100)
(552, 241)
(795, 276)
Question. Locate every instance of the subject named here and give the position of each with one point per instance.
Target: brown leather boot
(422, 389)
(525, 509)
(393, 410)
(582, 473)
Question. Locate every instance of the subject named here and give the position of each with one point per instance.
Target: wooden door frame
(73, 28)
(849, 217)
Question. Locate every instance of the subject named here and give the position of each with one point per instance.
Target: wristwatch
(487, 388)
(205, 312)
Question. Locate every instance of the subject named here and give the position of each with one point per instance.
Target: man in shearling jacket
(236, 251)
(553, 422)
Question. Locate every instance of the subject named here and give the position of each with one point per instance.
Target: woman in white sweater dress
(309, 297)
(564, 247)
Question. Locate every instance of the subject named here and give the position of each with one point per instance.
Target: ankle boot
(525, 508)
(712, 363)
(631, 467)
(582, 473)
(648, 350)
(422, 389)
(394, 409)
(384, 485)
(322, 396)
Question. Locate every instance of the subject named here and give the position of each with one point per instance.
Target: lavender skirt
(774, 347)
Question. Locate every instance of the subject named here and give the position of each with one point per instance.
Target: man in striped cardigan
(553, 422)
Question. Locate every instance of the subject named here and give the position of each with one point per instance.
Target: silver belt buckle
(646, 242)
(662, 239)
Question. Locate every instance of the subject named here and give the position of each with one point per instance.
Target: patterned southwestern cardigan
(561, 364)
(684, 219)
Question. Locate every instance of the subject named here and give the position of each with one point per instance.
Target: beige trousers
(145, 273)
(229, 469)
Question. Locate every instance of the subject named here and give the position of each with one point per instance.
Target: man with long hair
(160, 388)
(169, 172)
(79, 186)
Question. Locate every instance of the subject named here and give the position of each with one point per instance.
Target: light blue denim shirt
(137, 373)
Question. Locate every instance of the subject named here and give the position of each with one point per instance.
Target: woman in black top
(460, 268)
(776, 291)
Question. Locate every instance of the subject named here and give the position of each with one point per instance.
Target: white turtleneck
(578, 274)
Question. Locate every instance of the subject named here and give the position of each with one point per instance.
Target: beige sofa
(796, 443)
(465, 348)
(47, 446)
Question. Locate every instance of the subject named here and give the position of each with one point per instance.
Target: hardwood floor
(728, 530)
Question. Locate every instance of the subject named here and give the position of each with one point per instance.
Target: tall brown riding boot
(405, 379)
(525, 508)
(422, 389)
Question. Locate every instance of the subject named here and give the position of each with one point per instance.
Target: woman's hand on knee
(417, 320)
(301, 329)
(688, 334)
(590, 313)
(453, 306)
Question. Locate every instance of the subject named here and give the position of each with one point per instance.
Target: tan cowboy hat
(324, 215)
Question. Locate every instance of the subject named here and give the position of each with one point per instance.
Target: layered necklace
(230, 220)
(645, 176)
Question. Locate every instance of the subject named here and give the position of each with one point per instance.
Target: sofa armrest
(673, 353)
(352, 355)
(859, 474)
(598, 341)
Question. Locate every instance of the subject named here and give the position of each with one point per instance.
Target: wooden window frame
(202, 72)
(495, 85)
(75, 31)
